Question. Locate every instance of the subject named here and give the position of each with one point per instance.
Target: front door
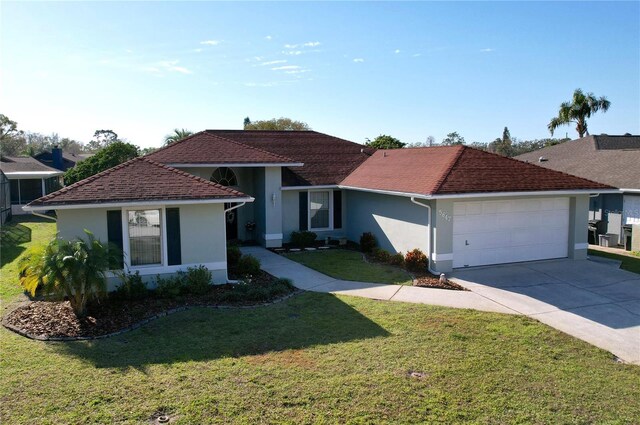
(231, 218)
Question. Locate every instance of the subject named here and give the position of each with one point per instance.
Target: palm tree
(76, 270)
(177, 135)
(578, 110)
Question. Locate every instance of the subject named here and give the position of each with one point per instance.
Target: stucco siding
(397, 223)
(71, 223)
(202, 233)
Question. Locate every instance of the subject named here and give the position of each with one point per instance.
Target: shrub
(248, 266)
(303, 239)
(197, 280)
(380, 255)
(170, 287)
(74, 269)
(416, 261)
(251, 292)
(131, 288)
(233, 256)
(368, 242)
(397, 259)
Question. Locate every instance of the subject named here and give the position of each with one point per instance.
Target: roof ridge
(446, 174)
(250, 147)
(174, 143)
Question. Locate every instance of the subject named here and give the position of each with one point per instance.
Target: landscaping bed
(429, 280)
(56, 319)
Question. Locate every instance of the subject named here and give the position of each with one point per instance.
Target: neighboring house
(29, 179)
(612, 160)
(60, 160)
(461, 206)
(5, 198)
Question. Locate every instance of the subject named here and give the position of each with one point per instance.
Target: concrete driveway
(596, 302)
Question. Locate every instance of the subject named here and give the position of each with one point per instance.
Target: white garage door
(508, 231)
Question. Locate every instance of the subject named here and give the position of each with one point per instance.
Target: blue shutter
(304, 210)
(174, 248)
(114, 234)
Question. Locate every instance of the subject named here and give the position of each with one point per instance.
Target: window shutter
(304, 210)
(337, 209)
(174, 249)
(114, 234)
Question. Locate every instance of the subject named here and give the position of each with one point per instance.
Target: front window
(144, 237)
(319, 210)
(224, 176)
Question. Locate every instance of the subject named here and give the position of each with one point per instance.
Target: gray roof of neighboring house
(612, 160)
(26, 164)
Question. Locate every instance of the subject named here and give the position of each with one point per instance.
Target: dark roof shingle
(20, 164)
(327, 159)
(445, 170)
(138, 180)
(612, 160)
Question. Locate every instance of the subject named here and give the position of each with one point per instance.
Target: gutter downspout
(428, 207)
(225, 242)
(44, 216)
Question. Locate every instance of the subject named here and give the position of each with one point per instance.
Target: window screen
(30, 189)
(144, 237)
(319, 209)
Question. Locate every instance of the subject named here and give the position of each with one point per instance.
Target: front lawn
(349, 265)
(317, 358)
(629, 263)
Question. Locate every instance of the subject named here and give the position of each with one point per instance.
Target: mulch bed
(432, 281)
(56, 319)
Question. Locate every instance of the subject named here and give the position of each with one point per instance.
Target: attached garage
(509, 231)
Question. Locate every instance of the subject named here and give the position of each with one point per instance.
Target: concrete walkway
(311, 280)
(595, 302)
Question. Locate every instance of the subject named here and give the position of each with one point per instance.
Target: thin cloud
(358, 60)
(273, 62)
(285, 68)
(397, 51)
(487, 50)
(297, 71)
(268, 38)
(172, 66)
(292, 52)
(290, 46)
(210, 42)
(416, 55)
(312, 44)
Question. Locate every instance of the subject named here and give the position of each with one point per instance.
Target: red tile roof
(206, 148)
(327, 159)
(138, 180)
(458, 169)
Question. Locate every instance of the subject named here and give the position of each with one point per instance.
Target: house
(612, 160)
(463, 207)
(5, 198)
(60, 160)
(29, 179)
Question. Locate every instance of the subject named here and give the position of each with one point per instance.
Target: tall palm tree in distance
(177, 135)
(578, 110)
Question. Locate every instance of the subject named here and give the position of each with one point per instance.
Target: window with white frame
(145, 238)
(319, 209)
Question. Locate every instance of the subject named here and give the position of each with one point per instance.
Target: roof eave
(15, 175)
(235, 164)
(129, 204)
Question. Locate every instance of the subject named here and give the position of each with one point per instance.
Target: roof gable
(327, 160)
(137, 180)
(205, 148)
(458, 169)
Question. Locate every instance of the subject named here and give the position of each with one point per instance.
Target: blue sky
(353, 70)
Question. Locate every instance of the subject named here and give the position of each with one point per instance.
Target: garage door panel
(510, 231)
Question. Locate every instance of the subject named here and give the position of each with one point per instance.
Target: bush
(416, 261)
(368, 242)
(131, 288)
(248, 266)
(197, 280)
(380, 255)
(397, 259)
(303, 239)
(170, 287)
(250, 292)
(233, 256)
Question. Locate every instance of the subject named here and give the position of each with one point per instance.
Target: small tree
(281, 123)
(177, 135)
(384, 141)
(74, 269)
(453, 139)
(102, 139)
(10, 141)
(578, 110)
(114, 154)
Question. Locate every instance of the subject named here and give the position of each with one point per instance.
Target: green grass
(349, 265)
(318, 358)
(631, 264)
